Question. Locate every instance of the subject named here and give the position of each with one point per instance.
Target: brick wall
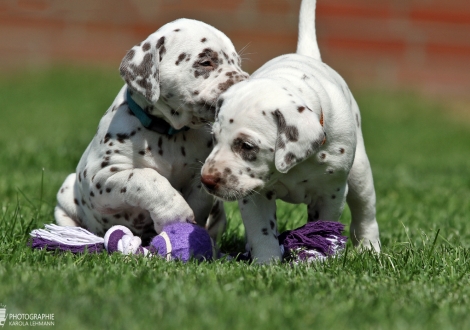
(419, 44)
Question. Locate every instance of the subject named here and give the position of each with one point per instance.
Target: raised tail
(307, 42)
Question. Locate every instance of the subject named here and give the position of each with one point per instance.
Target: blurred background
(419, 45)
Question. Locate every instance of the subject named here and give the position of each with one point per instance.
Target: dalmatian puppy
(141, 169)
(292, 131)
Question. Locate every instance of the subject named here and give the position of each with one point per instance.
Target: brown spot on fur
(225, 85)
(160, 42)
(181, 57)
(162, 52)
(122, 136)
(289, 158)
(146, 46)
(291, 132)
(129, 56)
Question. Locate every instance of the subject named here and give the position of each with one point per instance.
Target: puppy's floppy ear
(298, 138)
(140, 68)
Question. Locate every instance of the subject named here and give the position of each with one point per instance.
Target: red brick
(390, 47)
(441, 15)
(376, 9)
(423, 44)
(449, 51)
(276, 6)
(33, 5)
(200, 5)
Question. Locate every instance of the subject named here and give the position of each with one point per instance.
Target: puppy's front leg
(364, 229)
(259, 217)
(144, 188)
(203, 204)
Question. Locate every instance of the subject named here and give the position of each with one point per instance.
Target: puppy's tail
(307, 42)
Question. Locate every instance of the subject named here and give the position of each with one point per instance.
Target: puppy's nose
(210, 181)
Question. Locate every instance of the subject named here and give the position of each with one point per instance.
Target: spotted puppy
(292, 131)
(141, 169)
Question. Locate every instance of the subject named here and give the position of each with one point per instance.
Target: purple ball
(185, 240)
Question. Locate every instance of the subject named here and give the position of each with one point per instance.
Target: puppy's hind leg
(364, 229)
(66, 211)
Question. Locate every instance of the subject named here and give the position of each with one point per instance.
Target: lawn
(421, 162)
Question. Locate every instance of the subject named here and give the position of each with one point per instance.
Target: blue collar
(150, 122)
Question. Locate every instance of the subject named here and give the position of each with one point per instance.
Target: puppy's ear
(140, 68)
(298, 138)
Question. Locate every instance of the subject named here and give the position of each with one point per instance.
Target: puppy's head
(262, 128)
(179, 71)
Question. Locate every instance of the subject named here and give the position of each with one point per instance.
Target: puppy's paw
(175, 210)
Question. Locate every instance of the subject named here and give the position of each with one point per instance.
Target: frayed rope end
(73, 239)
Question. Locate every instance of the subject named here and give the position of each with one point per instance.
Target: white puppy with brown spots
(292, 131)
(141, 169)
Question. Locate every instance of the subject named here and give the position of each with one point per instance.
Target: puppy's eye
(206, 63)
(247, 146)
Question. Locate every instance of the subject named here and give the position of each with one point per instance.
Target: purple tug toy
(183, 241)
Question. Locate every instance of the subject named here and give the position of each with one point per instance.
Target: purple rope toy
(182, 241)
(314, 240)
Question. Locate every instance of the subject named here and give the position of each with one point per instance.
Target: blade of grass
(434, 243)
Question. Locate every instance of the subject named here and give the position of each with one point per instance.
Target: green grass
(421, 164)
